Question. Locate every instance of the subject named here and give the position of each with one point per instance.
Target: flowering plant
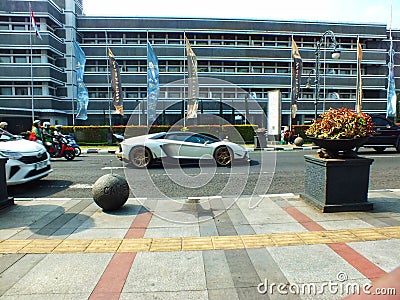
(341, 123)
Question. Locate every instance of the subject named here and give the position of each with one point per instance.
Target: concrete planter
(260, 140)
(334, 185)
(4, 199)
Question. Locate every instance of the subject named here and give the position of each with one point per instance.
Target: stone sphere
(299, 141)
(110, 191)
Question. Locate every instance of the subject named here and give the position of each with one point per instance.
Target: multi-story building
(252, 55)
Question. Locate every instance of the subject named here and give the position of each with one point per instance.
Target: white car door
(195, 146)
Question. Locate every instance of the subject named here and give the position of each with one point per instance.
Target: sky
(353, 11)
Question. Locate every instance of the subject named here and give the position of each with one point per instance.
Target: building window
(5, 59)
(20, 59)
(21, 91)
(5, 91)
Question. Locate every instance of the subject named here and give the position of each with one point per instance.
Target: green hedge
(99, 134)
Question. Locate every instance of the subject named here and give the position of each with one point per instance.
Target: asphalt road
(268, 172)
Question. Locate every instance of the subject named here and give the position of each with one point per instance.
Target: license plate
(41, 165)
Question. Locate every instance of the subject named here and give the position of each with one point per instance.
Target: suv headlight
(10, 154)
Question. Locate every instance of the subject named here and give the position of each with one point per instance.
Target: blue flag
(153, 84)
(83, 96)
(391, 90)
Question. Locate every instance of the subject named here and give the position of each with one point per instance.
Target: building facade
(38, 80)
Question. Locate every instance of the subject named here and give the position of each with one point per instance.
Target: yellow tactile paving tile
(40, 246)
(135, 245)
(368, 235)
(392, 232)
(106, 245)
(166, 244)
(314, 237)
(286, 239)
(13, 246)
(227, 242)
(48, 246)
(197, 243)
(257, 241)
(72, 246)
(341, 236)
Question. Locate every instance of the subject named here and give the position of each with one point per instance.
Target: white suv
(27, 160)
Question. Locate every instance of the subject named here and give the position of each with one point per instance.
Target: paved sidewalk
(266, 247)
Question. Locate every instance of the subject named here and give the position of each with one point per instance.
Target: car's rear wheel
(223, 156)
(140, 157)
(379, 149)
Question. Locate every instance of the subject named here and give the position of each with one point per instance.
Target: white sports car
(143, 150)
(27, 160)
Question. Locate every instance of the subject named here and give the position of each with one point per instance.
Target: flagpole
(30, 43)
(291, 85)
(72, 80)
(184, 79)
(147, 76)
(108, 81)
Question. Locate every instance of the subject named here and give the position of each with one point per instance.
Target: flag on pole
(391, 89)
(297, 68)
(116, 83)
(34, 24)
(192, 106)
(153, 84)
(359, 79)
(82, 95)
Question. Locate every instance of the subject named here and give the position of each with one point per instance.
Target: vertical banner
(116, 83)
(192, 106)
(33, 23)
(274, 112)
(391, 89)
(297, 68)
(153, 84)
(359, 79)
(82, 95)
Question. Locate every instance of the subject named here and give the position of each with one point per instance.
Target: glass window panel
(5, 91)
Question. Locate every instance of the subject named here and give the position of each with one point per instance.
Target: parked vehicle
(142, 151)
(27, 160)
(72, 142)
(387, 134)
(60, 147)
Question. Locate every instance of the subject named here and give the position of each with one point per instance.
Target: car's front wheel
(223, 156)
(140, 157)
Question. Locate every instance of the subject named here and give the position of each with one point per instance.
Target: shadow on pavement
(43, 219)
(40, 188)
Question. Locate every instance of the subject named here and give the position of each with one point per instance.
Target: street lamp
(335, 55)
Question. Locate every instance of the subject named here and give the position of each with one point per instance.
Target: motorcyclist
(36, 132)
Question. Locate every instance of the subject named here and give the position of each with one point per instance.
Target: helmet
(3, 124)
(36, 123)
(46, 125)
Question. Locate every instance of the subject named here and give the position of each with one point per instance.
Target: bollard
(110, 192)
(299, 141)
(5, 200)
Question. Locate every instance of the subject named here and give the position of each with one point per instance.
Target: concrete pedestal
(334, 185)
(5, 200)
(260, 141)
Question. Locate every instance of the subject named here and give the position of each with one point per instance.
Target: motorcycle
(119, 138)
(60, 147)
(74, 145)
